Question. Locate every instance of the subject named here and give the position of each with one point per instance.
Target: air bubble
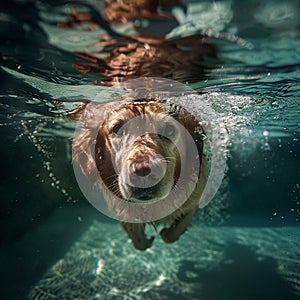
(266, 147)
(43, 152)
(48, 165)
(265, 133)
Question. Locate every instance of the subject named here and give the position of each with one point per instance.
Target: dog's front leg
(173, 233)
(136, 232)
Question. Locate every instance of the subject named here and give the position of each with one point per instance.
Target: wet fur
(180, 219)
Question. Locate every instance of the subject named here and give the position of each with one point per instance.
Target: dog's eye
(117, 129)
(169, 130)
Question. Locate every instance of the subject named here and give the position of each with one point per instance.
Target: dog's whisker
(115, 176)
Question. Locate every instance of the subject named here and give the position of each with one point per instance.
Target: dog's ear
(103, 157)
(192, 125)
(83, 154)
(84, 148)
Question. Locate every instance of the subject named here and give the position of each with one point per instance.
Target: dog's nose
(144, 174)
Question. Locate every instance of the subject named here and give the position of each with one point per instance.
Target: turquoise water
(246, 242)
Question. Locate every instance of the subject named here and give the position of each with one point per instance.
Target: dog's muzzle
(144, 178)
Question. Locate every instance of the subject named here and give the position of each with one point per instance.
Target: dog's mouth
(144, 194)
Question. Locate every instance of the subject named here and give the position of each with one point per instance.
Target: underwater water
(245, 244)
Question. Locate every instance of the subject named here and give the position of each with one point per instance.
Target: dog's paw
(145, 243)
(168, 236)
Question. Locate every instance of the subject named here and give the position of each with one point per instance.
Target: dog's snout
(145, 173)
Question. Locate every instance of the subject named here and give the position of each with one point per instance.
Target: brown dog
(139, 153)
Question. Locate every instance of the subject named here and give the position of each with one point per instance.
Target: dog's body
(142, 153)
(136, 164)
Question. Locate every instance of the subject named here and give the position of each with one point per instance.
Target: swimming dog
(140, 152)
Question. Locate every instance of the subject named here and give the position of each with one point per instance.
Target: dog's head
(140, 148)
(138, 141)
